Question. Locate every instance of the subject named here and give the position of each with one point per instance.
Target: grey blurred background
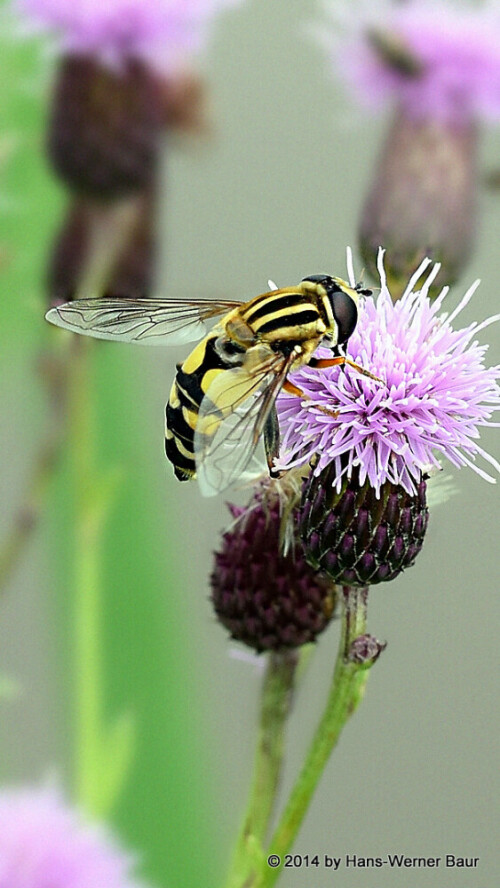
(274, 191)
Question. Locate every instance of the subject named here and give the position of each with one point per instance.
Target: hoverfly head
(343, 300)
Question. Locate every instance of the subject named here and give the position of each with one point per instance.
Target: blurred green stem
(87, 581)
(113, 226)
(347, 689)
(276, 701)
(95, 783)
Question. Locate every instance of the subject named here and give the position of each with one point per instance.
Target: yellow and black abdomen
(190, 385)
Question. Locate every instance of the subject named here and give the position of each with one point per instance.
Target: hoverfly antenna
(364, 291)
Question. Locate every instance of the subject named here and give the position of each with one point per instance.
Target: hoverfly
(222, 401)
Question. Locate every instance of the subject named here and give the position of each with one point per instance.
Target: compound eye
(345, 312)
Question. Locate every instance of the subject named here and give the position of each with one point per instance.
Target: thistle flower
(119, 84)
(439, 65)
(375, 441)
(43, 841)
(451, 49)
(267, 599)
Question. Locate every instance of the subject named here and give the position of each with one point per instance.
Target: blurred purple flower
(439, 394)
(438, 64)
(160, 32)
(454, 48)
(45, 842)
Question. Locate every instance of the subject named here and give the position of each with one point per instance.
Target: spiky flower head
(161, 33)
(267, 599)
(437, 395)
(371, 447)
(438, 65)
(45, 842)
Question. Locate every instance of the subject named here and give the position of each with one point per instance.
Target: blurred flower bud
(120, 82)
(365, 650)
(266, 599)
(438, 64)
(422, 200)
(105, 126)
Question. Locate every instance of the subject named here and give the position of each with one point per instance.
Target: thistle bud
(356, 537)
(438, 67)
(267, 599)
(105, 126)
(422, 200)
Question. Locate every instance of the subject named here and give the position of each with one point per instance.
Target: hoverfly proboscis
(222, 401)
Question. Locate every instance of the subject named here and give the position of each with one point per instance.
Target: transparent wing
(153, 321)
(231, 421)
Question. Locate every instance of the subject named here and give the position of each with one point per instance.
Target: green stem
(87, 618)
(349, 680)
(276, 701)
(111, 229)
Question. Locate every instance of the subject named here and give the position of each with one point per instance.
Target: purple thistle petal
(437, 397)
(159, 31)
(45, 842)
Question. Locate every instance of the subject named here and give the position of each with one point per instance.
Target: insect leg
(272, 441)
(340, 361)
(293, 389)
